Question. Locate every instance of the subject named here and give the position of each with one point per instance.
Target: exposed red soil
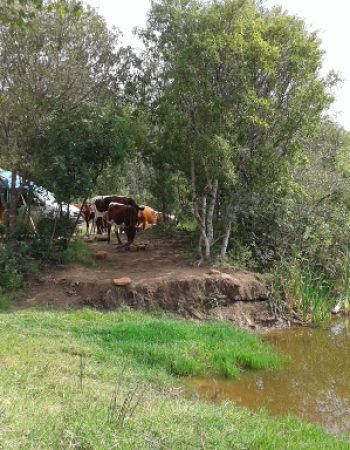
(161, 278)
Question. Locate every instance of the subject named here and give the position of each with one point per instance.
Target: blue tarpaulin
(6, 176)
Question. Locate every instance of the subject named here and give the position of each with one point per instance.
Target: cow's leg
(109, 226)
(94, 225)
(131, 233)
(117, 233)
(87, 226)
(92, 217)
(99, 225)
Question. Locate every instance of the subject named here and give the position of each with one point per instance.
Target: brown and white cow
(100, 205)
(125, 216)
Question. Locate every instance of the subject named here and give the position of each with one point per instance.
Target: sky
(330, 19)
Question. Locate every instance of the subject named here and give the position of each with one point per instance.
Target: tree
(74, 150)
(316, 229)
(48, 70)
(18, 13)
(239, 89)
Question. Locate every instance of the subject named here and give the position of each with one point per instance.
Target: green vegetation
(221, 119)
(345, 283)
(7, 298)
(183, 348)
(303, 294)
(77, 252)
(67, 381)
(230, 81)
(27, 257)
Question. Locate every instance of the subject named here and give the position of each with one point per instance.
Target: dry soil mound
(160, 279)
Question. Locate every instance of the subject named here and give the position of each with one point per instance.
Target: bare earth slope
(160, 279)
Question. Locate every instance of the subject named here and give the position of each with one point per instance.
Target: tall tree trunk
(198, 215)
(230, 218)
(226, 239)
(210, 213)
(203, 211)
(13, 201)
(206, 240)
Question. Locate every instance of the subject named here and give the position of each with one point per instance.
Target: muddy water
(314, 386)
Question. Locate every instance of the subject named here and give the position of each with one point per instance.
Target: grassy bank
(90, 380)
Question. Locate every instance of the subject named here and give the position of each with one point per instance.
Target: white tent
(44, 200)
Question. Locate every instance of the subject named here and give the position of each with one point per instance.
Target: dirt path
(161, 277)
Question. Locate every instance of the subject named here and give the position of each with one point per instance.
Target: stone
(214, 272)
(101, 254)
(101, 238)
(226, 276)
(337, 309)
(124, 281)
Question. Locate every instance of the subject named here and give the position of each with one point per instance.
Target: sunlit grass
(183, 348)
(176, 346)
(70, 380)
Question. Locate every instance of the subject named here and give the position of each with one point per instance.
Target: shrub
(10, 271)
(77, 251)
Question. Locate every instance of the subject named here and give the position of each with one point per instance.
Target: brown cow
(87, 214)
(100, 205)
(122, 215)
(147, 217)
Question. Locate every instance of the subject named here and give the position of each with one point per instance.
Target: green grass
(77, 252)
(162, 342)
(80, 380)
(183, 348)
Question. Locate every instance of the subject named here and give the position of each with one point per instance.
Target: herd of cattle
(123, 212)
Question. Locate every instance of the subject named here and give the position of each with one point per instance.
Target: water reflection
(314, 386)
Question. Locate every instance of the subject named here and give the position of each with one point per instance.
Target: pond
(314, 386)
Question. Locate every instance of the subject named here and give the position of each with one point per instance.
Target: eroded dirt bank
(160, 279)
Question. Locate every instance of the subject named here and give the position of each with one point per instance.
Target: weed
(314, 299)
(298, 291)
(123, 406)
